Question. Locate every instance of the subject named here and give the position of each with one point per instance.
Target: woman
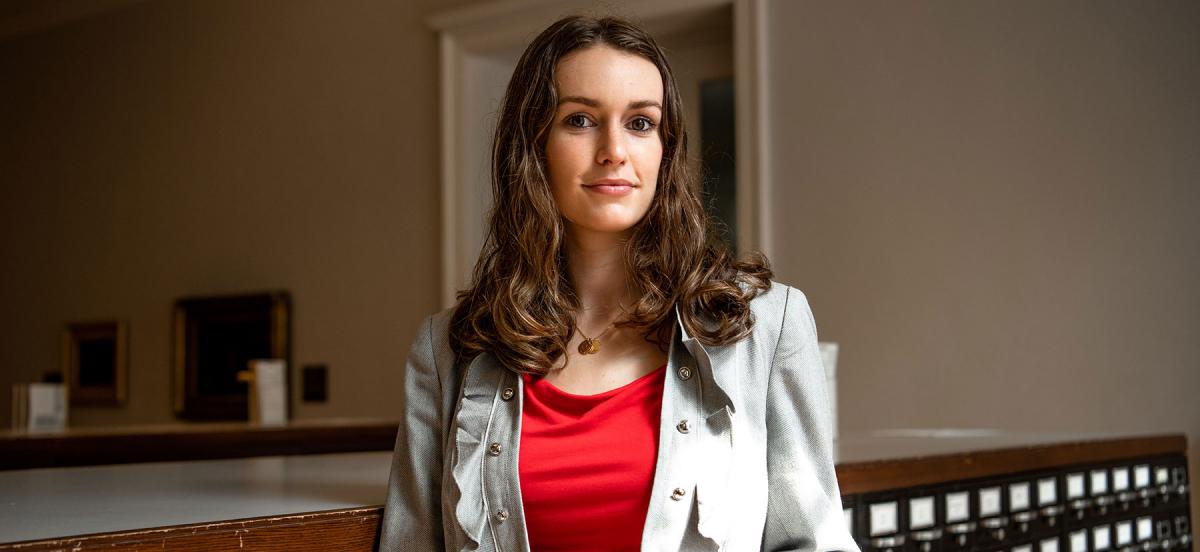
(612, 380)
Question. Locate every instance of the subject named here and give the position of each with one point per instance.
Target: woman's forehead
(609, 76)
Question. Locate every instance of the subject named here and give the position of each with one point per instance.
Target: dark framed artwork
(214, 339)
(95, 357)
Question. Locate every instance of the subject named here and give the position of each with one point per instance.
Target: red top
(587, 464)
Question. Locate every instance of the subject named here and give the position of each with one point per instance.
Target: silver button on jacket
(744, 458)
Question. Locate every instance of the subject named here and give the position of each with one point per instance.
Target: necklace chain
(591, 345)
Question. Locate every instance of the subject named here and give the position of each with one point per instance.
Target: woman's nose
(611, 149)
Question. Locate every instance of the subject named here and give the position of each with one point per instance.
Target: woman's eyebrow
(596, 103)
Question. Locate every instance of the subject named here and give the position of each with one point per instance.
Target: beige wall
(993, 207)
(198, 147)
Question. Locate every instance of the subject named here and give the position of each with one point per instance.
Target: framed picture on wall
(95, 357)
(215, 338)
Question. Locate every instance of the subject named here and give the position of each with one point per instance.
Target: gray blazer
(751, 470)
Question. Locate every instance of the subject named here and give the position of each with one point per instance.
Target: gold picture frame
(213, 338)
(95, 358)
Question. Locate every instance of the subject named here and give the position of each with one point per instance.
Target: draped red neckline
(587, 463)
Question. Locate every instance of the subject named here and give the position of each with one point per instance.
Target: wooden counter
(332, 502)
(191, 498)
(349, 530)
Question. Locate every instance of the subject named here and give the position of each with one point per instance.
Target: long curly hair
(521, 306)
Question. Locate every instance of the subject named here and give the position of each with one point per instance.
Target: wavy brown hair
(521, 306)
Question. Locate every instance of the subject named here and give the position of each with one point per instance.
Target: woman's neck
(596, 267)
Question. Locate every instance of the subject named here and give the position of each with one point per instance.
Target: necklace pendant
(589, 346)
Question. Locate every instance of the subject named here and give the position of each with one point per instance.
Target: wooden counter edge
(883, 475)
(53, 451)
(348, 529)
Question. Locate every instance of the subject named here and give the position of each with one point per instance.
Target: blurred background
(992, 206)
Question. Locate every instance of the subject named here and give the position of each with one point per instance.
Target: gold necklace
(591, 345)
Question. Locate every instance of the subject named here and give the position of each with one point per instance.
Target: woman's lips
(612, 187)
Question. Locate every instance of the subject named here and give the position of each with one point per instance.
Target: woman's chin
(618, 226)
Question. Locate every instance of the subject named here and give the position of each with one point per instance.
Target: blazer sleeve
(804, 508)
(412, 518)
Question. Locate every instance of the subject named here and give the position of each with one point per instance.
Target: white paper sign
(1141, 476)
(883, 518)
(989, 502)
(829, 357)
(1162, 476)
(1023, 548)
(1047, 491)
(1018, 497)
(271, 386)
(1079, 541)
(920, 512)
(1124, 533)
(1120, 477)
(1100, 538)
(1099, 482)
(47, 407)
(1075, 486)
(957, 507)
(1145, 528)
(1048, 545)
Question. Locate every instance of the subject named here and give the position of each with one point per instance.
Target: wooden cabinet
(1116, 495)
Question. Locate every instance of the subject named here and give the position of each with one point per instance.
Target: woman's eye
(577, 121)
(641, 124)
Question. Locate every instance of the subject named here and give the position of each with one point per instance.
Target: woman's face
(603, 149)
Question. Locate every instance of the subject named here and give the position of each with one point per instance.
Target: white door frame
(478, 32)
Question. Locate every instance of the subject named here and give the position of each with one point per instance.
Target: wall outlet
(315, 383)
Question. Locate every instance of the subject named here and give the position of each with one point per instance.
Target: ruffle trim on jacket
(470, 429)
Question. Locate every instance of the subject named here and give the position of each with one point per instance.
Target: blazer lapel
(718, 369)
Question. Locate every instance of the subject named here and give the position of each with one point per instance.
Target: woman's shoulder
(780, 308)
(435, 328)
(775, 299)
(432, 341)
(439, 322)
